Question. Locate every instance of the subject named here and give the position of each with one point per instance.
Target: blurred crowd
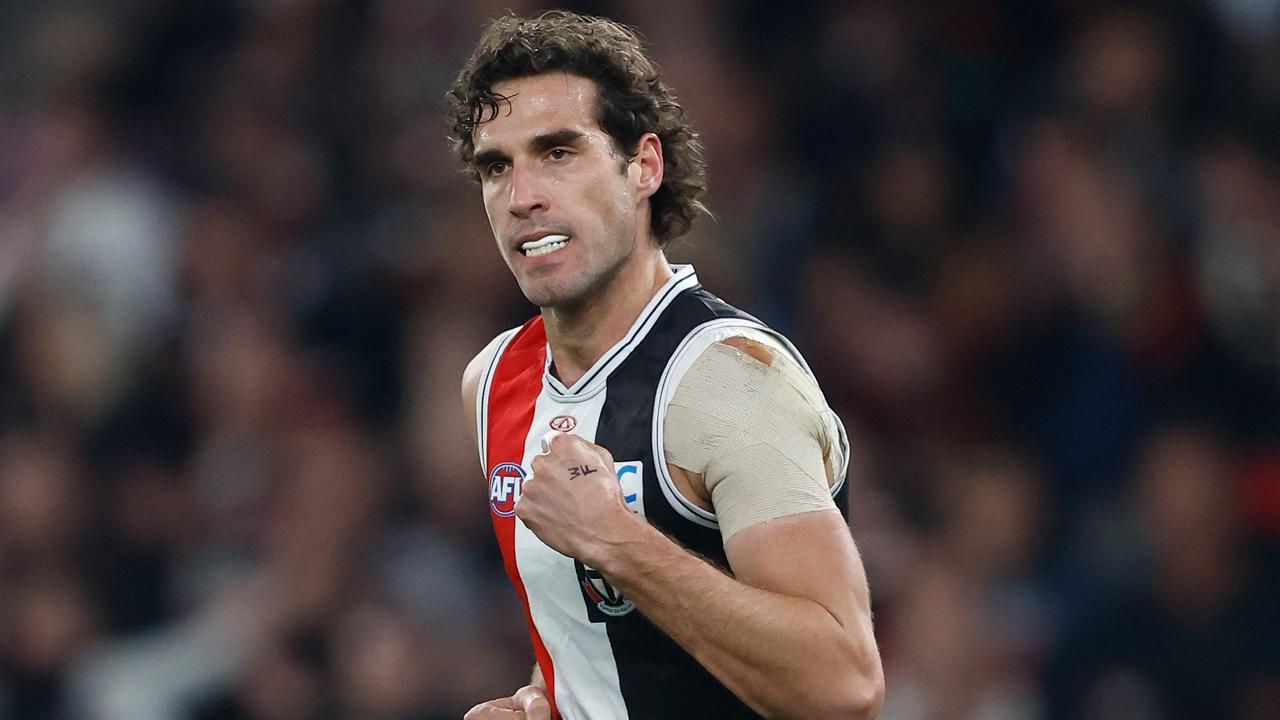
(1032, 250)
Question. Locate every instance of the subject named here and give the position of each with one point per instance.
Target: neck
(579, 335)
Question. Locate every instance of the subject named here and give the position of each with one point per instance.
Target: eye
(495, 169)
(558, 154)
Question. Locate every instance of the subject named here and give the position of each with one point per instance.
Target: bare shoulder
(471, 378)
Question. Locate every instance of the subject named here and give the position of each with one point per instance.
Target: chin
(547, 296)
(560, 292)
(543, 295)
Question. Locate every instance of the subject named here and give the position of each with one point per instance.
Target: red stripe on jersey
(513, 392)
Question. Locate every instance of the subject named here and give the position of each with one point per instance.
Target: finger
(521, 508)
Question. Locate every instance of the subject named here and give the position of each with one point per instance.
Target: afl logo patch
(563, 423)
(504, 488)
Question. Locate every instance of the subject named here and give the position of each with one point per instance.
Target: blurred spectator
(973, 617)
(1197, 635)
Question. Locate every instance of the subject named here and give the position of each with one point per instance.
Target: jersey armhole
(482, 398)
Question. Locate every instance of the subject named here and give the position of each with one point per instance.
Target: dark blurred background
(1032, 250)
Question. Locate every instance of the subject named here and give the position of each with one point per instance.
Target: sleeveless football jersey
(600, 657)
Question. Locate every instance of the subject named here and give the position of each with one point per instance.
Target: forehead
(537, 105)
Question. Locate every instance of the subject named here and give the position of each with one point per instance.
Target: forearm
(784, 656)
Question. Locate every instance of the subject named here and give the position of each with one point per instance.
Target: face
(568, 211)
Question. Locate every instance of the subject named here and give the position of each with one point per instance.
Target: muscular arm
(756, 439)
(789, 632)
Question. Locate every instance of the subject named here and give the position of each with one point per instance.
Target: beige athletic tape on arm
(756, 433)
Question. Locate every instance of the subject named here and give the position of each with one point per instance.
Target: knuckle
(560, 441)
(526, 509)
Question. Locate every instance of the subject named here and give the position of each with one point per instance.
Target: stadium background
(1031, 248)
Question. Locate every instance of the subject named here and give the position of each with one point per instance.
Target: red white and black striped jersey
(601, 658)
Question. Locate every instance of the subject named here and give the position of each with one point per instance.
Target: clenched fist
(573, 501)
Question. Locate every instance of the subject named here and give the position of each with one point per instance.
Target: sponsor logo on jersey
(599, 592)
(564, 423)
(505, 482)
(631, 478)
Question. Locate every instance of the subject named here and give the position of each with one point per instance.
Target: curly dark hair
(631, 99)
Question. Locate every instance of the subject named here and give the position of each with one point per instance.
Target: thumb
(534, 702)
(547, 437)
(506, 707)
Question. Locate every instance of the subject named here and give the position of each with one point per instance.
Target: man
(663, 470)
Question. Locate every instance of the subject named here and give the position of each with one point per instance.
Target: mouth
(544, 245)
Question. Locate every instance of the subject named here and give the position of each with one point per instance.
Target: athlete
(666, 480)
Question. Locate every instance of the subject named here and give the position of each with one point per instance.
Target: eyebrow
(546, 141)
(481, 159)
(538, 144)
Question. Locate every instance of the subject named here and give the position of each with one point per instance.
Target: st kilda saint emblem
(600, 596)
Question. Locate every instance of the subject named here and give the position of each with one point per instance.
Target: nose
(527, 196)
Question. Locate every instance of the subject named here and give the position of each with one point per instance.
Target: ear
(646, 166)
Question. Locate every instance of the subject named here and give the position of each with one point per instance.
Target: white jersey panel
(580, 649)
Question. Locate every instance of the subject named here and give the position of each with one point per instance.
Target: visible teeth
(545, 244)
(544, 240)
(545, 249)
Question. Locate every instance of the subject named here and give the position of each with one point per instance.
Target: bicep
(811, 556)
